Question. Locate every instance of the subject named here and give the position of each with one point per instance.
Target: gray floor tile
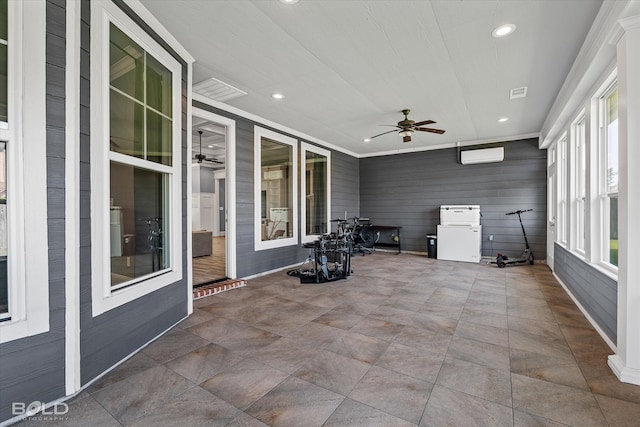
(355, 414)
(295, 402)
(447, 407)
(333, 371)
(559, 403)
(244, 383)
(476, 380)
(396, 394)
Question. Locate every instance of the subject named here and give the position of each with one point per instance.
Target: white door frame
(230, 170)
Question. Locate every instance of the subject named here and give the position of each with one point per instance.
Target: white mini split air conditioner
(482, 155)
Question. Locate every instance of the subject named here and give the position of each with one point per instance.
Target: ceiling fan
(201, 157)
(407, 127)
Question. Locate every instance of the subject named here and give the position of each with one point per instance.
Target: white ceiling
(347, 67)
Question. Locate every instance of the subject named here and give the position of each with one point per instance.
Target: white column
(626, 362)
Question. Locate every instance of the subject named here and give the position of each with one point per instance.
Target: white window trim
(579, 146)
(304, 147)
(27, 180)
(562, 223)
(607, 88)
(258, 134)
(103, 298)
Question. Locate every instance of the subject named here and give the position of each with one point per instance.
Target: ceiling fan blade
(213, 160)
(426, 122)
(383, 133)
(438, 131)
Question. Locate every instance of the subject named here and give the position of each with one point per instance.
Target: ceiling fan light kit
(407, 126)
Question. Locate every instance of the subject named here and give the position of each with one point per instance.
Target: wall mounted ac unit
(482, 155)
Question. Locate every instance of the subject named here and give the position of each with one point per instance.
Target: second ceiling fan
(407, 126)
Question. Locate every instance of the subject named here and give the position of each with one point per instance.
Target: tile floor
(405, 341)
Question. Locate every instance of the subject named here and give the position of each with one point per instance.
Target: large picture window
(316, 186)
(136, 189)
(276, 189)
(609, 175)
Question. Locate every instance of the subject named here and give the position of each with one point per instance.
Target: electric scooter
(525, 256)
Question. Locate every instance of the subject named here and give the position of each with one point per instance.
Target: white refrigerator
(460, 233)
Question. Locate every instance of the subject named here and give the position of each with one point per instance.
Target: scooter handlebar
(519, 212)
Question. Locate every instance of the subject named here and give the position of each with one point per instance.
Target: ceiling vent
(217, 90)
(519, 92)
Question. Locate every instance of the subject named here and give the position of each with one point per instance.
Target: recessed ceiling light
(503, 30)
(503, 119)
(277, 96)
(367, 139)
(288, 1)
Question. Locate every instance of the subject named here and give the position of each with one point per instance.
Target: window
(4, 248)
(136, 190)
(579, 181)
(4, 57)
(562, 223)
(315, 183)
(140, 128)
(609, 174)
(276, 190)
(24, 298)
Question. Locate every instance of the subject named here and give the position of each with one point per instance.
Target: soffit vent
(217, 90)
(519, 92)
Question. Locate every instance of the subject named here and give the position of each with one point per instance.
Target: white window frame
(104, 298)
(258, 134)
(552, 179)
(562, 222)
(25, 132)
(579, 183)
(304, 147)
(603, 193)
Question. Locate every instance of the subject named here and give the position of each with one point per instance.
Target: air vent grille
(217, 90)
(519, 92)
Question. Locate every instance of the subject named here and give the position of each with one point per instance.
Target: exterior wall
(596, 292)
(344, 194)
(110, 337)
(32, 368)
(408, 189)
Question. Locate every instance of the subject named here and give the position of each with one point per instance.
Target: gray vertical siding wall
(108, 338)
(344, 196)
(32, 368)
(597, 292)
(408, 189)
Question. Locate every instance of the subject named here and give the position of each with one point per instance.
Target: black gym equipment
(329, 256)
(526, 255)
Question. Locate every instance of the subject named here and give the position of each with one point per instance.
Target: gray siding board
(408, 189)
(111, 336)
(33, 368)
(596, 292)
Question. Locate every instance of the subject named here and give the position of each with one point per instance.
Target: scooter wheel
(531, 259)
(500, 262)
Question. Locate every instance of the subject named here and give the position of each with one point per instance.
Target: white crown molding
(151, 20)
(593, 59)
